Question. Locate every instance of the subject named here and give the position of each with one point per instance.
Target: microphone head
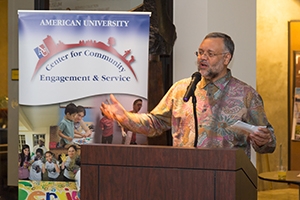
(196, 76)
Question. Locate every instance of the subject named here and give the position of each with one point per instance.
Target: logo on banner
(41, 51)
(49, 49)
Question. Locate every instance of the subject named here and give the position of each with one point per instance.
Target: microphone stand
(194, 100)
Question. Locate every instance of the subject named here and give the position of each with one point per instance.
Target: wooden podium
(116, 172)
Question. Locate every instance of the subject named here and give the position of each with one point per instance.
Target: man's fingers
(260, 139)
(113, 98)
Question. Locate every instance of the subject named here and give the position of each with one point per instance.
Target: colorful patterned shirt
(219, 105)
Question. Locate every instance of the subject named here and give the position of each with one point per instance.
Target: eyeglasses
(209, 54)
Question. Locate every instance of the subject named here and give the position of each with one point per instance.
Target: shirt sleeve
(62, 127)
(155, 122)
(258, 117)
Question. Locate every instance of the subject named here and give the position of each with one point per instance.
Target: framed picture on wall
(296, 104)
(296, 116)
(297, 68)
(295, 136)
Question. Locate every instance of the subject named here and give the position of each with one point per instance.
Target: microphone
(196, 77)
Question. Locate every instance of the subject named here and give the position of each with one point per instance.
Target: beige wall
(272, 72)
(197, 18)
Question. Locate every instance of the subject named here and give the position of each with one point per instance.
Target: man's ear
(227, 58)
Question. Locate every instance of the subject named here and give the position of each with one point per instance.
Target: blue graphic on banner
(41, 51)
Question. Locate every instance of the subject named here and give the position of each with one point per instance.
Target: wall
(195, 19)
(190, 20)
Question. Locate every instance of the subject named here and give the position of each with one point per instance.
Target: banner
(76, 58)
(93, 53)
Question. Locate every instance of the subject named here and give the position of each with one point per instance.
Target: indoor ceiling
(33, 119)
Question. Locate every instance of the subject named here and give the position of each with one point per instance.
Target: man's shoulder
(238, 85)
(182, 83)
(184, 80)
(178, 88)
(238, 82)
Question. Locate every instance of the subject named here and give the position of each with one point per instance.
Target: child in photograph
(77, 176)
(40, 145)
(51, 166)
(107, 127)
(35, 172)
(24, 162)
(68, 165)
(80, 125)
(66, 126)
(130, 137)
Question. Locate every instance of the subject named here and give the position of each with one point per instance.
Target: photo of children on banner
(77, 177)
(35, 172)
(45, 167)
(50, 167)
(107, 128)
(130, 137)
(64, 167)
(72, 129)
(68, 165)
(80, 126)
(40, 145)
(66, 126)
(109, 131)
(24, 162)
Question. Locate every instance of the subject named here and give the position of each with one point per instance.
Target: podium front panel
(154, 183)
(156, 172)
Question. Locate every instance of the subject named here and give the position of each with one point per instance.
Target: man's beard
(209, 74)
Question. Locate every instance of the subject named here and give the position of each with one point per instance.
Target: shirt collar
(220, 83)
